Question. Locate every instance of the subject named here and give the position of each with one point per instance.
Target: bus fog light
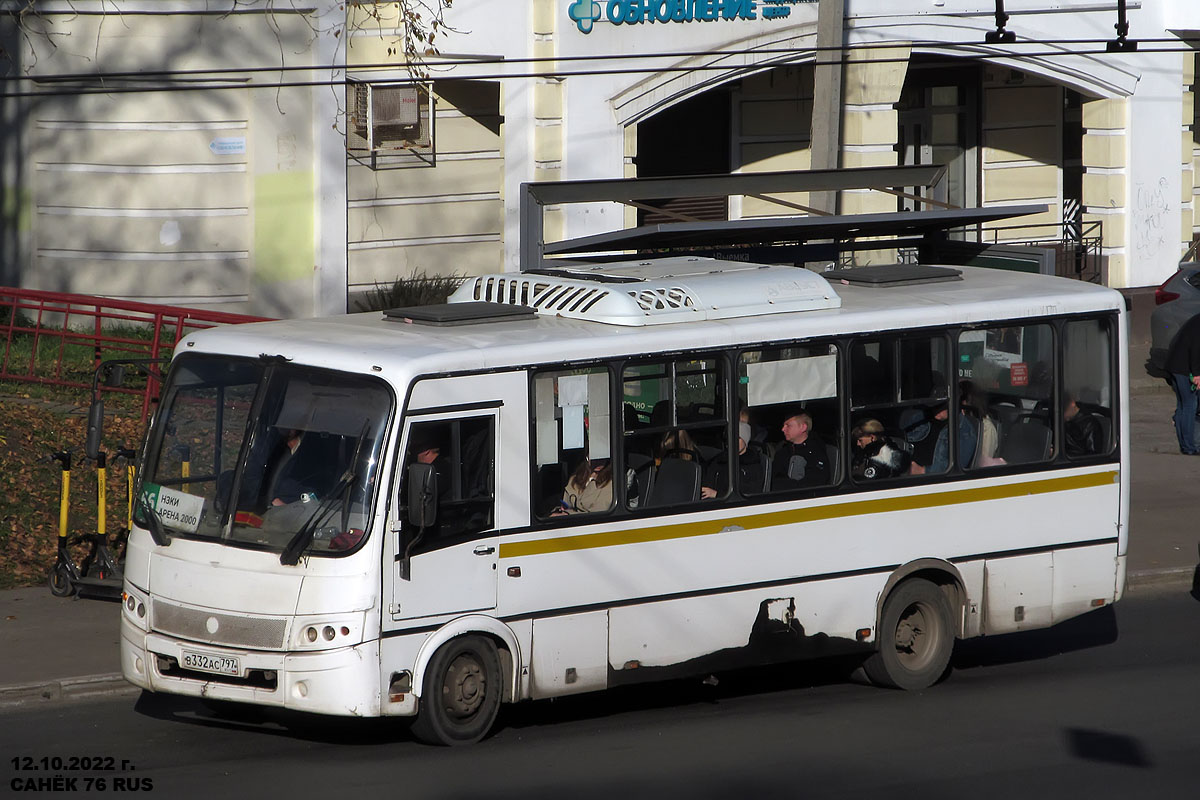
(300, 689)
(310, 633)
(138, 666)
(328, 633)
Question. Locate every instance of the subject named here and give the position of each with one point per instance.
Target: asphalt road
(1106, 706)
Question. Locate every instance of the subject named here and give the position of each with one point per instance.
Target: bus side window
(1087, 398)
(791, 411)
(1008, 373)
(462, 453)
(674, 431)
(573, 468)
(900, 408)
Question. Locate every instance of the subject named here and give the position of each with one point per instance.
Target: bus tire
(916, 637)
(462, 692)
(60, 581)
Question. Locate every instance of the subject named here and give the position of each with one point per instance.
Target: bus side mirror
(422, 495)
(421, 480)
(115, 378)
(95, 427)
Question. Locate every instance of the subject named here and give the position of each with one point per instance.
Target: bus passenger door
(448, 566)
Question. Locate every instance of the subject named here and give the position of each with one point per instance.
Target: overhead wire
(227, 77)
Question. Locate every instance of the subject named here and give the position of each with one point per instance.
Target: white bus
(569, 479)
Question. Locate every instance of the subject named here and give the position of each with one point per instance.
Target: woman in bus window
(876, 455)
(974, 403)
(675, 443)
(589, 488)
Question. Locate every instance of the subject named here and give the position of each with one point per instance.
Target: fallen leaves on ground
(30, 481)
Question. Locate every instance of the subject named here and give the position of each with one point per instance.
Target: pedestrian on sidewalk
(1183, 362)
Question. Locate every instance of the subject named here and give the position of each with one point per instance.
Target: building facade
(277, 159)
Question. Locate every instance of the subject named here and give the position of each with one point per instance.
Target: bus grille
(538, 293)
(663, 299)
(263, 633)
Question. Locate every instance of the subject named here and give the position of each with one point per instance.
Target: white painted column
(329, 164)
(1155, 117)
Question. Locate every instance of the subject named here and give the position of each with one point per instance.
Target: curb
(65, 690)
(114, 685)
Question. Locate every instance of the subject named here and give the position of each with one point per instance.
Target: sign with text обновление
(634, 12)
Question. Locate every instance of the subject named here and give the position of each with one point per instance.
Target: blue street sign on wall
(228, 145)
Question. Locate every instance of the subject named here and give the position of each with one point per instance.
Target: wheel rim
(465, 687)
(60, 581)
(918, 635)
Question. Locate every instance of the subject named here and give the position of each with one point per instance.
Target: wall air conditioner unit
(389, 117)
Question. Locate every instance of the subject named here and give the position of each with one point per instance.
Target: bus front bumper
(342, 682)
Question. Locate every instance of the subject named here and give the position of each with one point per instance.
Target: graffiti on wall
(1151, 218)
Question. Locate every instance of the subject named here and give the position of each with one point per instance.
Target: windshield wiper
(291, 554)
(150, 521)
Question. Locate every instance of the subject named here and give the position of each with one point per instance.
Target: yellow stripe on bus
(849, 508)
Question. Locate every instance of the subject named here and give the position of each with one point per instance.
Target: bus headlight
(318, 633)
(135, 607)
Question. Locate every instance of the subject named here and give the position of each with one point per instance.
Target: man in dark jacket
(1183, 362)
(801, 460)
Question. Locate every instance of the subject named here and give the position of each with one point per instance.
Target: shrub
(421, 289)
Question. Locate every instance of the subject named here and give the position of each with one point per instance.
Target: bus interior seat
(708, 454)
(661, 413)
(1106, 441)
(696, 412)
(676, 481)
(831, 452)
(1026, 441)
(764, 461)
(642, 478)
(551, 482)
(1005, 412)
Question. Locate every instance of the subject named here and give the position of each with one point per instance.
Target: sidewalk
(57, 648)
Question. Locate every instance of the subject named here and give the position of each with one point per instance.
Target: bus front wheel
(462, 692)
(916, 637)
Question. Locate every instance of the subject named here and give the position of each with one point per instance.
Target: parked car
(1176, 301)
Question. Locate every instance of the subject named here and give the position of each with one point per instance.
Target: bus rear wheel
(916, 637)
(462, 692)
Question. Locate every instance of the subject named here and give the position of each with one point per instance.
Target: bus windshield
(264, 454)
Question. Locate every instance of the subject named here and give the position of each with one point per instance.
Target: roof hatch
(887, 275)
(459, 313)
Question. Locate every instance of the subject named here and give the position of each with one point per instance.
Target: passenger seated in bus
(589, 488)
(1083, 433)
(974, 402)
(751, 468)
(920, 429)
(676, 443)
(801, 460)
(968, 435)
(758, 433)
(876, 455)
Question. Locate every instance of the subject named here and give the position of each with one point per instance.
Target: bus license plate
(208, 662)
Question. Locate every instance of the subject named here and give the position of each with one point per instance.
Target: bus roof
(370, 342)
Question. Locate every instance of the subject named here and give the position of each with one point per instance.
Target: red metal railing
(48, 323)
